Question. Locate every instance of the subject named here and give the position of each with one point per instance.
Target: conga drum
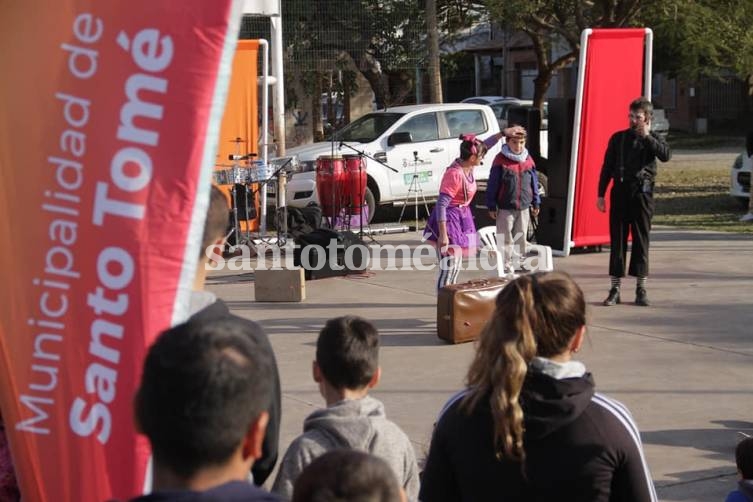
(354, 192)
(330, 175)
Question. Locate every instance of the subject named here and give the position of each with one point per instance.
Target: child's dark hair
(744, 457)
(347, 352)
(470, 145)
(347, 476)
(204, 383)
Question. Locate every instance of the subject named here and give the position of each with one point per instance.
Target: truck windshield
(367, 128)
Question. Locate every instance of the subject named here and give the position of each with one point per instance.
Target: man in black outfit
(630, 163)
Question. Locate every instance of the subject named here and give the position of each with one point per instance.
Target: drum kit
(341, 184)
(242, 181)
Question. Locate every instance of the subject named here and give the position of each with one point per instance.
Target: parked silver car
(502, 104)
(660, 122)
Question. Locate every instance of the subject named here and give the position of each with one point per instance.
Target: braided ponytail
(536, 314)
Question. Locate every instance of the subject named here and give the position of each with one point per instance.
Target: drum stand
(280, 178)
(363, 212)
(282, 208)
(233, 193)
(417, 191)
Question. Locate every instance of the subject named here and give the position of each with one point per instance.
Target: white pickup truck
(417, 139)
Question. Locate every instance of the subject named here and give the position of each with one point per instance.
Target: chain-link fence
(317, 34)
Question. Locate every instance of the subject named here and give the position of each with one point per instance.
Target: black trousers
(630, 213)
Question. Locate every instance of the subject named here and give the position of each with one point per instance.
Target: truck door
(420, 164)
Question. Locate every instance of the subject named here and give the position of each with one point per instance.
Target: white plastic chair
(543, 257)
(488, 238)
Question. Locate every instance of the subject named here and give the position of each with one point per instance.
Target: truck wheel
(370, 203)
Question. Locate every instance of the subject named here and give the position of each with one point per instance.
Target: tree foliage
(691, 37)
(548, 21)
(701, 37)
(386, 39)
(383, 39)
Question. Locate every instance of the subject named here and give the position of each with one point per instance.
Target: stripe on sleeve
(457, 396)
(622, 414)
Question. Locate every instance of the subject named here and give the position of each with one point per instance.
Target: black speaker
(560, 122)
(530, 118)
(312, 253)
(551, 228)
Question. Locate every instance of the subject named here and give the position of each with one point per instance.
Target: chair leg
(500, 264)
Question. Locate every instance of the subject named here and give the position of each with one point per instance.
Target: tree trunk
(401, 85)
(541, 85)
(346, 101)
(372, 72)
(316, 109)
(435, 74)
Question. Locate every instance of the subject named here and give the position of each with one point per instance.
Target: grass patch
(697, 198)
(685, 141)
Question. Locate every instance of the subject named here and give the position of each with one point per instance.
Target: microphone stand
(361, 152)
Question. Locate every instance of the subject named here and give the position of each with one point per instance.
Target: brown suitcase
(464, 309)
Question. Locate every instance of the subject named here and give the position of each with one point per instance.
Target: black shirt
(630, 159)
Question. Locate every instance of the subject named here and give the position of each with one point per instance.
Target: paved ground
(683, 366)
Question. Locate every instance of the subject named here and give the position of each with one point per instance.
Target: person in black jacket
(630, 164)
(529, 426)
(206, 306)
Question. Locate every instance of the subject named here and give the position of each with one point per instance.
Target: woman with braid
(529, 426)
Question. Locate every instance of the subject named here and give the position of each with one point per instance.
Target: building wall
(721, 105)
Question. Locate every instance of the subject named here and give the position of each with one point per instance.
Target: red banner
(613, 78)
(108, 132)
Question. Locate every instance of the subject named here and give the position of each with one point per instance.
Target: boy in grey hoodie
(346, 367)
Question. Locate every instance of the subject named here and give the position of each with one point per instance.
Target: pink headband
(470, 138)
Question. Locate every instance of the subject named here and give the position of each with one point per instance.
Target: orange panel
(240, 119)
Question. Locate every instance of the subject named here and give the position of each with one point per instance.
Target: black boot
(613, 298)
(641, 298)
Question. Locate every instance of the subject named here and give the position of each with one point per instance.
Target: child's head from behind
(744, 458)
(347, 475)
(205, 387)
(347, 352)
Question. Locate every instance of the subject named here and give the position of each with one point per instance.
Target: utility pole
(435, 74)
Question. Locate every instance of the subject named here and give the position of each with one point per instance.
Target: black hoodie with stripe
(580, 446)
